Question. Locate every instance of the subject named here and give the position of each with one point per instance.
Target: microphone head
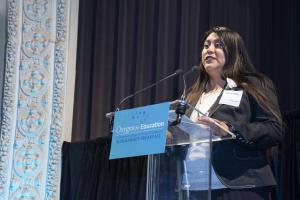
(178, 71)
(192, 69)
(195, 68)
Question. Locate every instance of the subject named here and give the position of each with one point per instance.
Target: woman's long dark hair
(238, 66)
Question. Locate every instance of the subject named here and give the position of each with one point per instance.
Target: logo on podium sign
(140, 131)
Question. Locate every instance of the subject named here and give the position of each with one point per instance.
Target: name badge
(231, 97)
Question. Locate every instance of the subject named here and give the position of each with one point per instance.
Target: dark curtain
(87, 174)
(125, 45)
(289, 174)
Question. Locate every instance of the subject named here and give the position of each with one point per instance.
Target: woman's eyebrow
(214, 40)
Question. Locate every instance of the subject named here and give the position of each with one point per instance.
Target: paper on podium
(189, 132)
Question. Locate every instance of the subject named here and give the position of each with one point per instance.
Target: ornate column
(33, 100)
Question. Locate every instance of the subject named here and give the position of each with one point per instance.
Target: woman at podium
(234, 95)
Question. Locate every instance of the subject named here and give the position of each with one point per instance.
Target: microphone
(177, 72)
(110, 115)
(182, 106)
(194, 68)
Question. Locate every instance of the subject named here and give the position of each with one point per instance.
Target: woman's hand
(217, 127)
(169, 136)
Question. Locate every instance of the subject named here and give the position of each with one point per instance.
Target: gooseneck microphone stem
(182, 105)
(178, 71)
(184, 88)
(194, 68)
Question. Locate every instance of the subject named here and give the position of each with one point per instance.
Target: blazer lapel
(216, 105)
(230, 85)
(213, 108)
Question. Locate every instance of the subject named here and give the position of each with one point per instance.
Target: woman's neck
(215, 84)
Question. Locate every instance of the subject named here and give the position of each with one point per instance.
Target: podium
(184, 171)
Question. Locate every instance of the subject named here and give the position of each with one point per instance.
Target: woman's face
(213, 56)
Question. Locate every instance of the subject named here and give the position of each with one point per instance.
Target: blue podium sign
(140, 131)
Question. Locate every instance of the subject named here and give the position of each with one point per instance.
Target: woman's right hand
(218, 127)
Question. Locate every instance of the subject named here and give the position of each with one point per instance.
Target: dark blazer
(242, 162)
